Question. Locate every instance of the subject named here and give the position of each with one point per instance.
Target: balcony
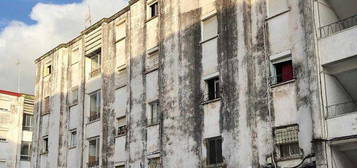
(338, 26)
(341, 109)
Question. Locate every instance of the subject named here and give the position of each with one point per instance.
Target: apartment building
(16, 119)
(206, 83)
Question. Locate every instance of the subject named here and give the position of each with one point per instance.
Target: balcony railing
(341, 108)
(95, 73)
(338, 26)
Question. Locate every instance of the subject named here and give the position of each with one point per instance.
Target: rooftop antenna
(18, 75)
(88, 18)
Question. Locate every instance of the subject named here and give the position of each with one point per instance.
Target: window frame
(28, 156)
(276, 60)
(122, 129)
(214, 81)
(151, 120)
(45, 145)
(46, 105)
(97, 53)
(73, 138)
(97, 151)
(95, 116)
(208, 151)
(203, 20)
(153, 9)
(25, 125)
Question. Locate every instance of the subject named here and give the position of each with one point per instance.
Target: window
(154, 9)
(45, 145)
(94, 106)
(93, 157)
(74, 96)
(73, 138)
(122, 128)
(25, 151)
(3, 136)
(286, 141)
(282, 72)
(154, 163)
(120, 53)
(152, 60)
(212, 89)
(121, 166)
(153, 113)
(46, 108)
(95, 61)
(3, 164)
(209, 28)
(214, 151)
(27, 122)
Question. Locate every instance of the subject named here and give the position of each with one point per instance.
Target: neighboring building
(206, 83)
(16, 119)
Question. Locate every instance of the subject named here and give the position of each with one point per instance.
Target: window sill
(152, 124)
(152, 18)
(121, 68)
(278, 14)
(282, 83)
(219, 165)
(118, 136)
(44, 153)
(72, 147)
(151, 70)
(47, 113)
(211, 101)
(93, 121)
(209, 39)
(289, 158)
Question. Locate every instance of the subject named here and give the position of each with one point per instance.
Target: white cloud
(55, 24)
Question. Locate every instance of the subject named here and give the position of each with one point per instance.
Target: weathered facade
(16, 117)
(206, 83)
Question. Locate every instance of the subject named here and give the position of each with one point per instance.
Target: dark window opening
(45, 145)
(213, 88)
(214, 151)
(93, 157)
(49, 69)
(25, 151)
(154, 9)
(284, 71)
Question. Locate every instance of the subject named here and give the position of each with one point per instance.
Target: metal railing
(338, 26)
(341, 108)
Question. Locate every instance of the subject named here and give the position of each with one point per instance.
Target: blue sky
(20, 10)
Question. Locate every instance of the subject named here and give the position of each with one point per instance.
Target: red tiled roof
(10, 93)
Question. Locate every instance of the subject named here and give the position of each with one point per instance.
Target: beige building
(16, 119)
(205, 83)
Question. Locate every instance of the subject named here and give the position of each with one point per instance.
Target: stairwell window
(95, 63)
(153, 117)
(27, 122)
(93, 157)
(25, 151)
(95, 105)
(122, 128)
(213, 91)
(154, 163)
(154, 9)
(46, 106)
(214, 151)
(45, 145)
(282, 70)
(73, 138)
